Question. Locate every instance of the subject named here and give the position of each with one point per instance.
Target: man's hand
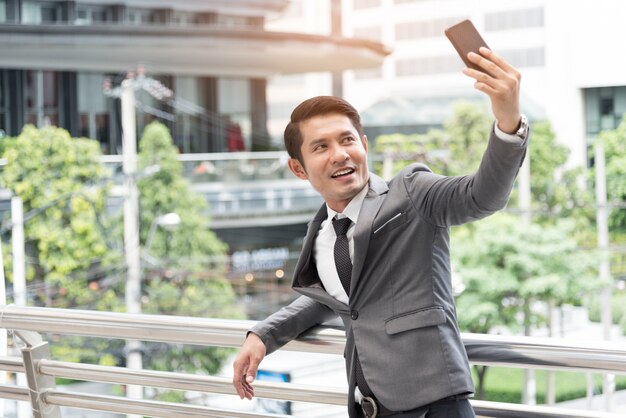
(246, 365)
(500, 81)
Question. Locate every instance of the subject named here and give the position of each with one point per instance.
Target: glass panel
(50, 90)
(83, 125)
(3, 11)
(30, 90)
(49, 13)
(50, 118)
(103, 130)
(620, 101)
(98, 15)
(2, 99)
(90, 95)
(592, 104)
(31, 12)
(234, 102)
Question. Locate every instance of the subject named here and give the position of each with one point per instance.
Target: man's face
(335, 159)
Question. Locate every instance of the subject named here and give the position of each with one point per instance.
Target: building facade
(215, 55)
(573, 75)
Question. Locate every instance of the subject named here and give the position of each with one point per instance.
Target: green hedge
(505, 385)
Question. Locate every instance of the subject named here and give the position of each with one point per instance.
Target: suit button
(354, 315)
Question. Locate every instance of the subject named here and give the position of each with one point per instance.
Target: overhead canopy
(195, 51)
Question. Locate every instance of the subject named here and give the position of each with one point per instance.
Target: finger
(238, 377)
(252, 370)
(486, 65)
(248, 391)
(485, 88)
(497, 59)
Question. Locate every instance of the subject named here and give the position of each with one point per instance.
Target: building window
(428, 66)
(515, 19)
(371, 33)
(93, 109)
(424, 29)
(3, 105)
(40, 12)
(87, 14)
(530, 57)
(365, 4)
(41, 97)
(138, 16)
(605, 108)
(3, 11)
(368, 73)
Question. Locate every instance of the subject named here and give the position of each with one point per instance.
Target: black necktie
(342, 252)
(344, 270)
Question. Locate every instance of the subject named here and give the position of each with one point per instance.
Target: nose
(339, 154)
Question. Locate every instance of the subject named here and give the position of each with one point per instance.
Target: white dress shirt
(324, 248)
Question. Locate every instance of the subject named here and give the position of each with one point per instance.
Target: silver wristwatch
(522, 131)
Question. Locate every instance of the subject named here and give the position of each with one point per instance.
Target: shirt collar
(354, 207)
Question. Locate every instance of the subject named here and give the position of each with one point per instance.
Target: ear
(364, 141)
(297, 169)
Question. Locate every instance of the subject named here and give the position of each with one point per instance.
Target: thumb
(251, 373)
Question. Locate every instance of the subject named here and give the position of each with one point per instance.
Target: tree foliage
(62, 185)
(187, 277)
(454, 150)
(507, 268)
(75, 250)
(615, 155)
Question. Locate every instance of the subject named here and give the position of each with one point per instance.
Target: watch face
(523, 128)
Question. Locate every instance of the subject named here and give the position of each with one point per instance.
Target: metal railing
(523, 352)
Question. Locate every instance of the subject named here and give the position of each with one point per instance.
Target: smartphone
(465, 38)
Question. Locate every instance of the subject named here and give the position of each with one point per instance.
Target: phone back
(465, 38)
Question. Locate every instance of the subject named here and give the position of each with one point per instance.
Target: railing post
(36, 349)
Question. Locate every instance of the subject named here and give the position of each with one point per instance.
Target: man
(388, 275)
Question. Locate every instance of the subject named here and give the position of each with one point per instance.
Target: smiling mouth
(344, 172)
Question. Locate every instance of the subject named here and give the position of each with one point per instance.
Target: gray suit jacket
(401, 316)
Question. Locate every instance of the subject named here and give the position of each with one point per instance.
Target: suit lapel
(306, 280)
(305, 274)
(371, 204)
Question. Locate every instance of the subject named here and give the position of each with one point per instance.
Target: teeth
(342, 172)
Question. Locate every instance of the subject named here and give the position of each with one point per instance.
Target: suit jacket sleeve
(446, 201)
(291, 321)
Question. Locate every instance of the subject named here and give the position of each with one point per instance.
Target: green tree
(65, 235)
(454, 150)
(188, 278)
(507, 267)
(63, 188)
(615, 155)
(62, 183)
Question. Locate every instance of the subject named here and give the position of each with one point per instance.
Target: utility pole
(19, 263)
(19, 279)
(604, 269)
(131, 226)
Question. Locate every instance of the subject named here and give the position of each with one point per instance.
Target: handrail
(151, 408)
(499, 350)
(510, 351)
